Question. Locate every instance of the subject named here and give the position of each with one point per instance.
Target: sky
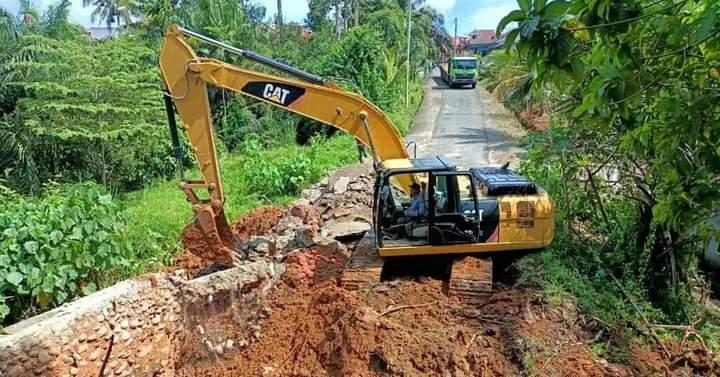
(470, 14)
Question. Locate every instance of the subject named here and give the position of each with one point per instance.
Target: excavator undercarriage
(470, 278)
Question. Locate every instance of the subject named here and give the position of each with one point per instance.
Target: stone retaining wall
(143, 327)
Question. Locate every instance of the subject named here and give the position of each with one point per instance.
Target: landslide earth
(408, 326)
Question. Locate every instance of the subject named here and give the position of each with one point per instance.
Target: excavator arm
(185, 79)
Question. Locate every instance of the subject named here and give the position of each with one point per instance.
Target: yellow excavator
(468, 215)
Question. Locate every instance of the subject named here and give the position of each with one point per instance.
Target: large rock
(341, 185)
(312, 195)
(343, 230)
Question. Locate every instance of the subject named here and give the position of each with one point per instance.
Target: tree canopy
(634, 86)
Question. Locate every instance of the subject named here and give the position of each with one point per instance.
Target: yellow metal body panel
(185, 77)
(398, 163)
(526, 222)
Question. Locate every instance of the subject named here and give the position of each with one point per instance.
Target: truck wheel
(473, 86)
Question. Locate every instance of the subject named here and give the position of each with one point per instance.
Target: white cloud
(442, 6)
(293, 10)
(489, 17)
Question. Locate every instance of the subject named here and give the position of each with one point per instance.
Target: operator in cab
(413, 214)
(417, 202)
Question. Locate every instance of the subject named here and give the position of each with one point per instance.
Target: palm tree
(56, 20)
(113, 11)
(9, 29)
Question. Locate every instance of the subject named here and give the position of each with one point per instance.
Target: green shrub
(84, 110)
(246, 118)
(58, 247)
(288, 174)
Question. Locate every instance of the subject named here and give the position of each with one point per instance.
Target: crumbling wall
(164, 324)
(141, 327)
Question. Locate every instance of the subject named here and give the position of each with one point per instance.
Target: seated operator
(416, 210)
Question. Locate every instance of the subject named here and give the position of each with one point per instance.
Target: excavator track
(471, 279)
(364, 266)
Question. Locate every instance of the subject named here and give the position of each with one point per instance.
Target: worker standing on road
(361, 149)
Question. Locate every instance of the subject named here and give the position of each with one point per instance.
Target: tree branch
(627, 20)
(695, 44)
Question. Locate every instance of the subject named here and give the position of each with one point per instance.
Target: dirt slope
(403, 327)
(411, 328)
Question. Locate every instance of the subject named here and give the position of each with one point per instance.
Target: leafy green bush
(84, 110)
(286, 175)
(358, 59)
(246, 118)
(63, 245)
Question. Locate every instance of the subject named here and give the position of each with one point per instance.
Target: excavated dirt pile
(310, 326)
(411, 328)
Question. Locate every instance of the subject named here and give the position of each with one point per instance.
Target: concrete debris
(339, 207)
(312, 195)
(345, 230)
(341, 185)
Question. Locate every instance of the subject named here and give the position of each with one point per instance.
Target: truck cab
(460, 71)
(463, 211)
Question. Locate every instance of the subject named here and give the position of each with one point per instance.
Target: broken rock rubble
(324, 215)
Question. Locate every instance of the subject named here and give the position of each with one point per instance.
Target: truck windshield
(465, 64)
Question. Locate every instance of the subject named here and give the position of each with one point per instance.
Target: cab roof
(438, 163)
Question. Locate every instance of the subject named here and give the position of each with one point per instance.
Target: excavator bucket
(210, 237)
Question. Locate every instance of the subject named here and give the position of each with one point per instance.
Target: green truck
(460, 71)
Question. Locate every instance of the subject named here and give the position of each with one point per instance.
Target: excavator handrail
(250, 55)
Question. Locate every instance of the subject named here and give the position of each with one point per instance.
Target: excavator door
(453, 209)
(455, 218)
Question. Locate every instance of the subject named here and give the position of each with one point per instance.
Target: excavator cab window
(403, 210)
(454, 216)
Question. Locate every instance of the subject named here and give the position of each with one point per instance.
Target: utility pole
(455, 41)
(407, 71)
(337, 18)
(347, 14)
(280, 19)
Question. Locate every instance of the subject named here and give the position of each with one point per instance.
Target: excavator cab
(485, 209)
(453, 213)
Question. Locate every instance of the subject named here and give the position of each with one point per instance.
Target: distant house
(484, 41)
(97, 32)
(458, 42)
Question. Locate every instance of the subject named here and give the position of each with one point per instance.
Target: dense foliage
(70, 105)
(74, 109)
(85, 110)
(53, 249)
(633, 148)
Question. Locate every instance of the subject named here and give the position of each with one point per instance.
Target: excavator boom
(185, 80)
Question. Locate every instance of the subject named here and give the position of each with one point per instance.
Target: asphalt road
(467, 126)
